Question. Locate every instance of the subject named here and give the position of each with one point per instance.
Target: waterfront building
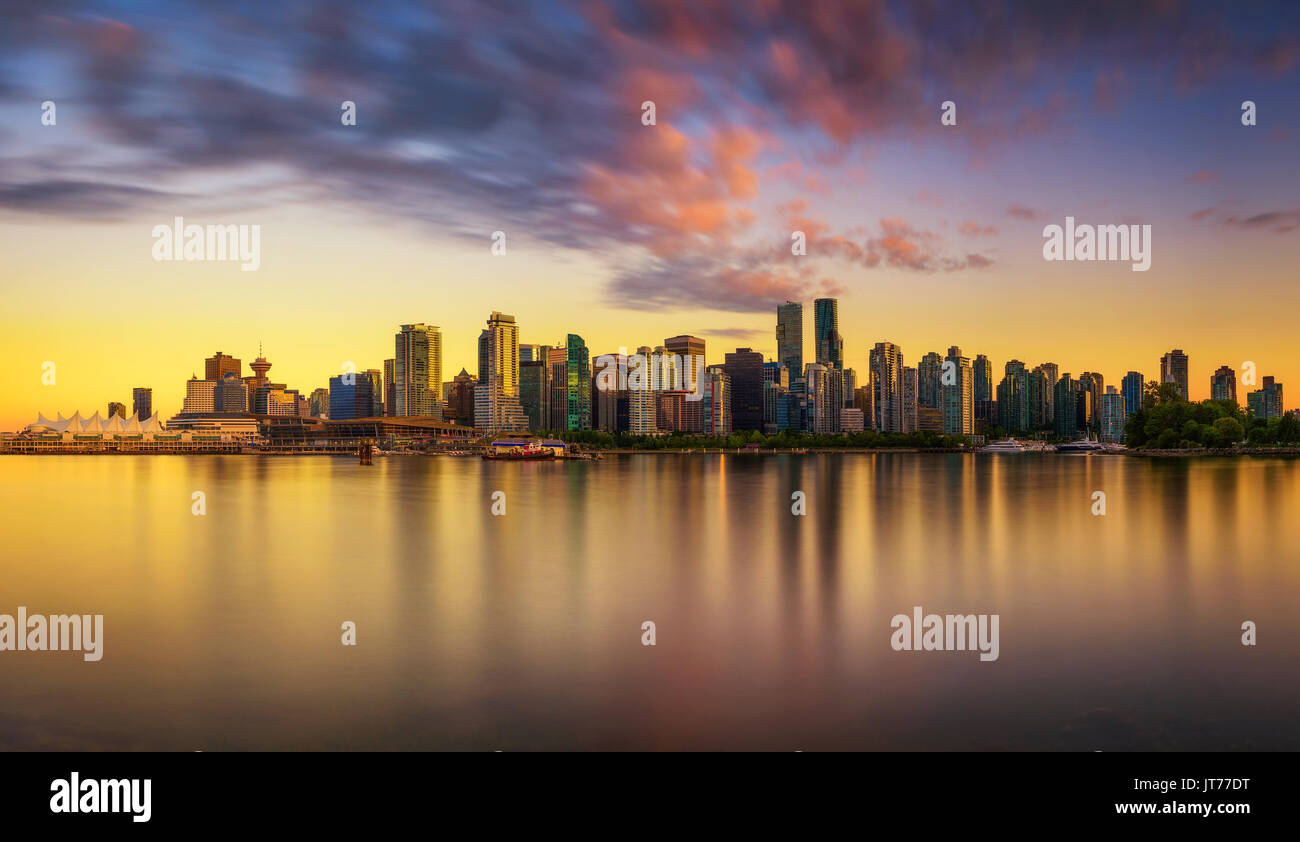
(929, 420)
(1173, 369)
(142, 401)
(318, 404)
(417, 371)
(1131, 387)
(577, 375)
(1223, 384)
(351, 397)
(496, 396)
(852, 421)
(982, 371)
(230, 394)
(217, 366)
(909, 399)
(1113, 415)
(1065, 392)
(717, 401)
(1266, 402)
(689, 352)
(535, 392)
(885, 362)
(789, 337)
(199, 395)
(744, 367)
(1051, 372)
(959, 397)
(929, 372)
(826, 326)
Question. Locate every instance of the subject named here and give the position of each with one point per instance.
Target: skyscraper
(219, 365)
(496, 397)
(928, 374)
(909, 399)
(376, 378)
(717, 402)
(1173, 369)
(1223, 384)
(198, 395)
(789, 338)
(1066, 392)
(745, 368)
(116, 408)
(351, 396)
(1051, 373)
(959, 397)
(142, 402)
(535, 391)
(417, 370)
(1096, 385)
(983, 372)
(1131, 387)
(826, 325)
(1113, 415)
(390, 387)
(690, 353)
(642, 409)
(1011, 400)
(230, 394)
(886, 364)
(577, 378)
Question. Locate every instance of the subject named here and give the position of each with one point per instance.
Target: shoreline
(587, 456)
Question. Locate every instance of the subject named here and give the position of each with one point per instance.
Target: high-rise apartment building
(116, 408)
(929, 372)
(789, 338)
(1173, 369)
(982, 369)
(909, 399)
(496, 396)
(959, 396)
(745, 368)
(142, 402)
(1051, 373)
(1131, 387)
(417, 370)
(577, 378)
(717, 401)
(1113, 415)
(390, 388)
(1223, 384)
(826, 326)
(535, 391)
(1266, 402)
(689, 353)
(1066, 394)
(886, 364)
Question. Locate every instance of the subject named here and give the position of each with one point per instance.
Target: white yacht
(1004, 446)
(1087, 444)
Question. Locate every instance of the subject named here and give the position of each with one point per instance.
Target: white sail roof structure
(117, 425)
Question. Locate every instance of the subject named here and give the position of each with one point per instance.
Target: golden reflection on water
(523, 631)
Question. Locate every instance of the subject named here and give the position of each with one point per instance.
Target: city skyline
(220, 363)
(766, 123)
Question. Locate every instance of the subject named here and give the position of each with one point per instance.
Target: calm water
(524, 631)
